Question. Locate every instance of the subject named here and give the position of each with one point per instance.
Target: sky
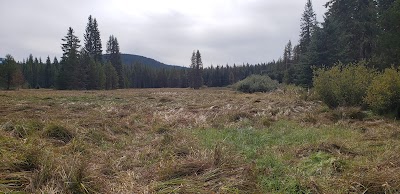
(225, 31)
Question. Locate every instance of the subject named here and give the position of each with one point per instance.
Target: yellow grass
(192, 141)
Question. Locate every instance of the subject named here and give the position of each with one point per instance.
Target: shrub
(343, 85)
(256, 83)
(384, 93)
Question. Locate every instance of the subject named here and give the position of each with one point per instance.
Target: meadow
(212, 140)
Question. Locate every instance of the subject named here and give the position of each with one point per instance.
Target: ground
(192, 141)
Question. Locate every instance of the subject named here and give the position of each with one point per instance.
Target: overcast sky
(225, 31)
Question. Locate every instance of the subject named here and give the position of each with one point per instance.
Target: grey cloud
(241, 31)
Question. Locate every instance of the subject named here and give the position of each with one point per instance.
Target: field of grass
(187, 141)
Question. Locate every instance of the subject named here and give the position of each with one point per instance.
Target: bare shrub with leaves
(343, 85)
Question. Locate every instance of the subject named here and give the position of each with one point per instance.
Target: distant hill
(130, 59)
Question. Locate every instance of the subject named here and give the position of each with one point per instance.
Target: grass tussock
(58, 133)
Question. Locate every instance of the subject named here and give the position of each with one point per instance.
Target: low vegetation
(384, 93)
(256, 83)
(343, 85)
(356, 85)
(192, 141)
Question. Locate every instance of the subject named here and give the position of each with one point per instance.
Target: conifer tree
(193, 70)
(7, 71)
(92, 40)
(308, 24)
(70, 71)
(114, 57)
(196, 70)
(48, 74)
(98, 56)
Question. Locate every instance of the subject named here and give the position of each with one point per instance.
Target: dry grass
(187, 141)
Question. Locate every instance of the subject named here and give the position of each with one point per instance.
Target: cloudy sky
(225, 31)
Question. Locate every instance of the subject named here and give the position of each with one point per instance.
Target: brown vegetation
(189, 141)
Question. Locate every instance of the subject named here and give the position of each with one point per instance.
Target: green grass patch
(274, 149)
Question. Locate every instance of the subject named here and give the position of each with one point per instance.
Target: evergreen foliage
(70, 72)
(10, 73)
(114, 57)
(196, 70)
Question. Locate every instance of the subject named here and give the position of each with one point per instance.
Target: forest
(352, 31)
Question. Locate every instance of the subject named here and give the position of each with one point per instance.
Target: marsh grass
(185, 141)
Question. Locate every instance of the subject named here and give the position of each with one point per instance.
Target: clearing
(187, 141)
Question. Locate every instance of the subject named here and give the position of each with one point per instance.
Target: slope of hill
(130, 59)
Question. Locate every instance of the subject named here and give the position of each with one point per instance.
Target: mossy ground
(187, 141)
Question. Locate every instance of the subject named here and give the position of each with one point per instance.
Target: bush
(384, 93)
(256, 83)
(343, 85)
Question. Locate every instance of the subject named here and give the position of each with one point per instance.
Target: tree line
(352, 31)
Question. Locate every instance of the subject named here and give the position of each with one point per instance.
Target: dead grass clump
(377, 181)
(179, 186)
(16, 130)
(76, 177)
(182, 169)
(58, 133)
(8, 126)
(330, 148)
(237, 116)
(162, 130)
(165, 100)
(310, 118)
(353, 113)
(30, 160)
(167, 139)
(97, 137)
(11, 182)
(181, 151)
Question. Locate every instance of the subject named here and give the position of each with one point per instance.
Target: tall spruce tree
(69, 73)
(114, 57)
(196, 70)
(301, 72)
(193, 70)
(308, 24)
(48, 74)
(97, 52)
(7, 71)
(92, 40)
(389, 38)
(88, 38)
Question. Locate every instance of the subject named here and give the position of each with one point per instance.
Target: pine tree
(114, 57)
(7, 71)
(196, 70)
(308, 24)
(97, 52)
(48, 74)
(389, 39)
(193, 70)
(88, 38)
(92, 40)
(111, 77)
(287, 54)
(70, 71)
(353, 27)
